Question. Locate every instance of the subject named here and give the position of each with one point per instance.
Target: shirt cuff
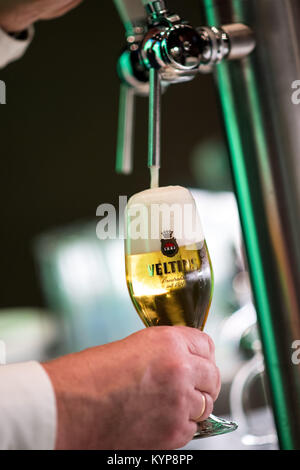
(27, 408)
(11, 48)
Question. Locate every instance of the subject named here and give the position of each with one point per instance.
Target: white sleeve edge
(27, 408)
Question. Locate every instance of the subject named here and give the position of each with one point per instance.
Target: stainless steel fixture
(169, 50)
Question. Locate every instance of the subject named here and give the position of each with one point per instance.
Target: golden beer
(173, 290)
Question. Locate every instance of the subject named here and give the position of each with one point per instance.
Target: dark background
(58, 134)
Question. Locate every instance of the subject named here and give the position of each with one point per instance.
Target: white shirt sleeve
(27, 408)
(12, 49)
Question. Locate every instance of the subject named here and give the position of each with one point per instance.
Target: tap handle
(124, 163)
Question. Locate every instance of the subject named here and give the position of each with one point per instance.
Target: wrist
(70, 388)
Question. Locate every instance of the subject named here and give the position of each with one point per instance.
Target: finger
(209, 406)
(198, 342)
(188, 433)
(206, 377)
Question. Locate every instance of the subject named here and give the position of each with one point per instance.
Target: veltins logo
(169, 245)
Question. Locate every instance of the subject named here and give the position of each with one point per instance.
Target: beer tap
(163, 49)
(134, 79)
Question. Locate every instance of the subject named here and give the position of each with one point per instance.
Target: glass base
(214, 426)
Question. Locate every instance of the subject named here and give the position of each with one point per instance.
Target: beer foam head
(165, 215)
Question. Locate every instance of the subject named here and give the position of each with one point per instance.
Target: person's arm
(16, 23)
(143, 392)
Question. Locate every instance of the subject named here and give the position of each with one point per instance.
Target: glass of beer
(168, 269)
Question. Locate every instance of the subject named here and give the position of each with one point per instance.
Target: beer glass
(168, 268)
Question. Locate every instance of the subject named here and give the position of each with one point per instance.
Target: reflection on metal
(2, 92)
(125, 130)
(154, 119)
(244, 380)
(262, 126)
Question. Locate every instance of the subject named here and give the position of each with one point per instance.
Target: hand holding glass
(168, 269)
